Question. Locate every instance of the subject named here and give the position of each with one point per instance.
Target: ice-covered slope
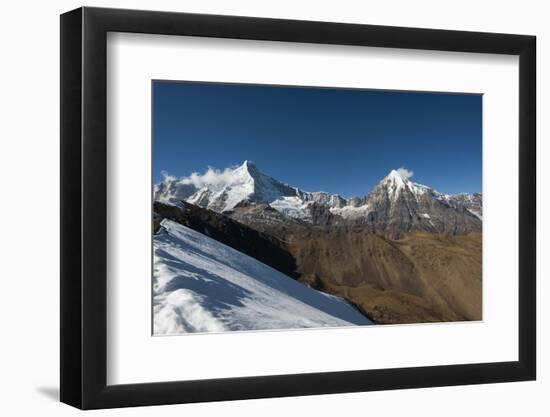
(201, 285)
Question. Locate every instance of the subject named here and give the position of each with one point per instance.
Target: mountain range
(396, 205)
(403, 253)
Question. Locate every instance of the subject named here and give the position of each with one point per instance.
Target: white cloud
(405, 173)
(212, 177)
(167, 176)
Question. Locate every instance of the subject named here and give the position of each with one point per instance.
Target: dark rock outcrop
(263, 247)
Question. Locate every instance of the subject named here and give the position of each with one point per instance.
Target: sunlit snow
(222, 190)
(201, 285)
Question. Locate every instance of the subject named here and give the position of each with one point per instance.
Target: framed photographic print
(257, 208)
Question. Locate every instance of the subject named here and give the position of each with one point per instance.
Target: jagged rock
(395, 206)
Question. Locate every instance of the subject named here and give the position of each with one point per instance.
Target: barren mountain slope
(422, 278)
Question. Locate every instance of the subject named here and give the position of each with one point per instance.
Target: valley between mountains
(240, 250)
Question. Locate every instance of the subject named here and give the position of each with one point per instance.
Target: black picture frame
(84, 207)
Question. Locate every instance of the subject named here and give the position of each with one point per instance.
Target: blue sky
(336, 140)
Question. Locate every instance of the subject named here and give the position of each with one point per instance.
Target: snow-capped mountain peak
(398, 180)
(395, 181)
(222, 190)
(246, 171)
(394, 199)
(399, 175)
(250, 167)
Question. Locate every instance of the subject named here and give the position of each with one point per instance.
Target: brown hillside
(423, 277)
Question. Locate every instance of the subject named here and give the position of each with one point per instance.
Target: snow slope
(201, 285)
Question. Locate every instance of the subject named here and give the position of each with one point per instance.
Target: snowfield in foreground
(201, 285)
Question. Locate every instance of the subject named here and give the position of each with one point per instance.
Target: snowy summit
(223, 190)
